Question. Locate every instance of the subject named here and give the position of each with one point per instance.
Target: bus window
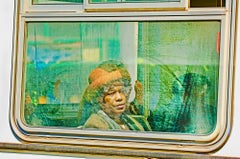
(207, 3)
(57, 62)
(98, 5)
(154, 78)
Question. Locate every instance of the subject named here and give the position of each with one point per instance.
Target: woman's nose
(118, 96)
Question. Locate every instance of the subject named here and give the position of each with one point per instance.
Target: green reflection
(166, 56)
(60, 56)
(56, 1)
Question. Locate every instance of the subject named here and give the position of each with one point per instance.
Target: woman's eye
(121, 91)
(111, 93)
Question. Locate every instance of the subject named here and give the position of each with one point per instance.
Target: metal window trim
(74, 137)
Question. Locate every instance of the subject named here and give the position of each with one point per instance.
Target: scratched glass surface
(176, 62)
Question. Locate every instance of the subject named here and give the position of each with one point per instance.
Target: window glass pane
(56, 1)
(207, 3)
(146, 1)
(176, 65)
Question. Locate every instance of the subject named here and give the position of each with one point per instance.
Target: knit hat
(100, 77)
(108, 72)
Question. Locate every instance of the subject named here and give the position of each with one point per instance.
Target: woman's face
(114, 100)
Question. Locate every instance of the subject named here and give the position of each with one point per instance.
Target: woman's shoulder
(97, 122)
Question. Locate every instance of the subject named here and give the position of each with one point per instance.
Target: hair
(99, 80)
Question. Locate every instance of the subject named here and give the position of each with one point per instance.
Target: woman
(105, 101)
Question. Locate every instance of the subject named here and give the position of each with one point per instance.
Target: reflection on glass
(175, 63)
(177, 60)
(56, 1)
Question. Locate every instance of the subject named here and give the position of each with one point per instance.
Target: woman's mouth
(122, 106)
